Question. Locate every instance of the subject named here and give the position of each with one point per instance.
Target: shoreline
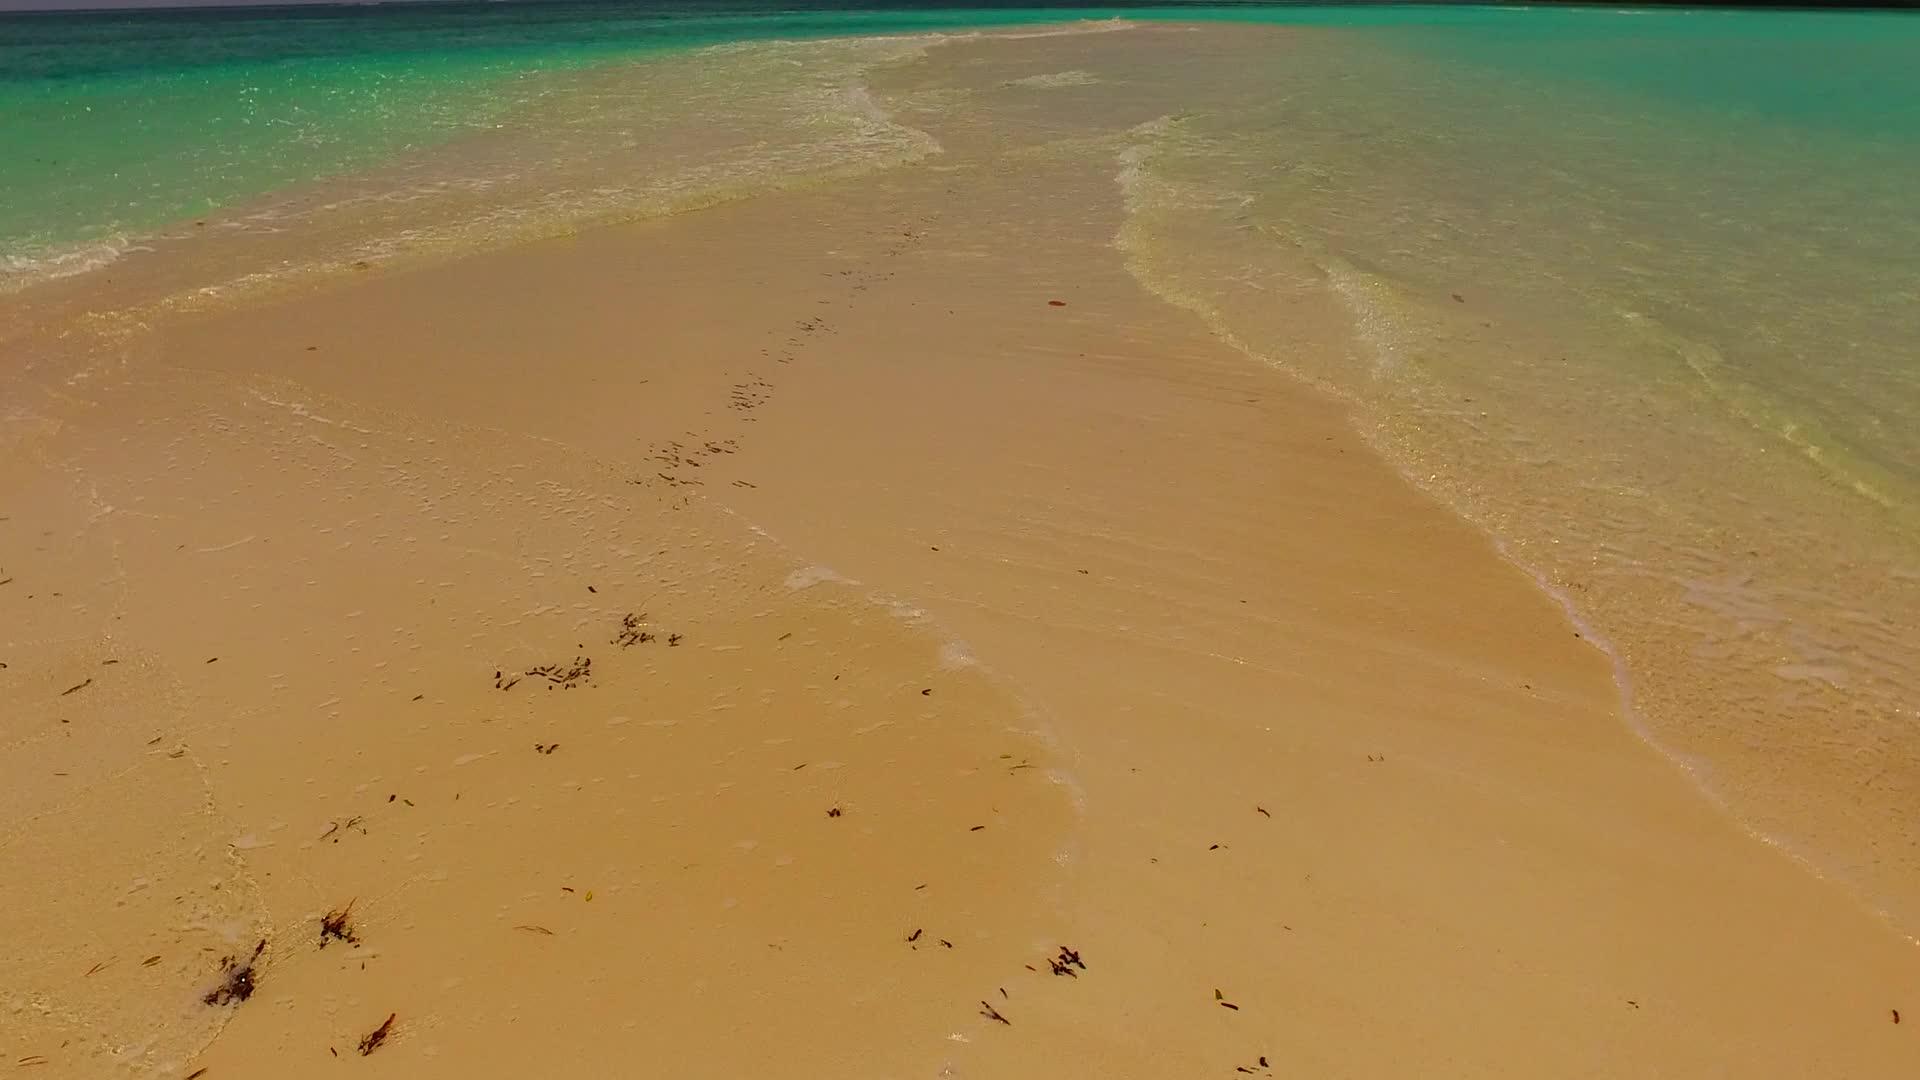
(77, 257)
(1151, 546)
(265, 288)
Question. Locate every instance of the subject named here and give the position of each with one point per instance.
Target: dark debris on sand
(630, 633)
(1066, 962)
(371, 1040)
(338, 829)
(240, 980)
(337, 925)
(564, 676)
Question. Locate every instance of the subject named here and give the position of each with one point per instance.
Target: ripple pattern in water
(1637, 293)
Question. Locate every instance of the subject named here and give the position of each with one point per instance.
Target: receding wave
(1751, 571)
(615, 143)
(569, 149)
(26, 267)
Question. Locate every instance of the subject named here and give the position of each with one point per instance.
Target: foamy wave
(1055, 80)
(1743, 627)
(1112, 25)
(22, 271)
(616, 144)
(919, 43)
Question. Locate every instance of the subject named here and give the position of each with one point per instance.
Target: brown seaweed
(240, 978)
(371, 1040)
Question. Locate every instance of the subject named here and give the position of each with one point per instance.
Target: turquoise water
(1637, 292)
(120, 122)
(115, 123)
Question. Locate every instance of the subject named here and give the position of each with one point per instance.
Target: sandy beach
(856, 630)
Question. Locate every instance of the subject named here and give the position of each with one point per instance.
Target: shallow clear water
(1640, 293)
(1637, 292)
(117, 123)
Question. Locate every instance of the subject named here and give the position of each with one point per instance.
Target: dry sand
(1096, 634)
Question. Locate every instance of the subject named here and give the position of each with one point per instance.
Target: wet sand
(1098, 636)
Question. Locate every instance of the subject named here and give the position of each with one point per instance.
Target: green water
(1637, 292)
(1640, 294)
(118, 123)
